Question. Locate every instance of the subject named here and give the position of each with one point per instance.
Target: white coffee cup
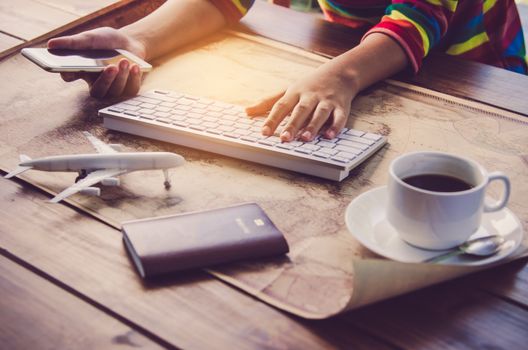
(439, 220)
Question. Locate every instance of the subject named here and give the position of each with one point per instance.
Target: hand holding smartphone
(66, 60)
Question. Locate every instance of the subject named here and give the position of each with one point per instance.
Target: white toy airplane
(103, 167)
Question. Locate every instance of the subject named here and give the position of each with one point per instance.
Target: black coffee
(437, 183)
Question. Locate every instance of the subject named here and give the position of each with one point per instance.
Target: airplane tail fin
(19, 169)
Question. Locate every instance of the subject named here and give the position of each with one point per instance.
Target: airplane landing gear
(82, 174)
(167, 183)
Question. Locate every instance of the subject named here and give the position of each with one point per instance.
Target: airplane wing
(99, 145)
(88, 181)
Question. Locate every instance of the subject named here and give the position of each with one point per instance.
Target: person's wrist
(135, 44)
(351, 80)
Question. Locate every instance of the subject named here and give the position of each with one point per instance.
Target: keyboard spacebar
(232, 149)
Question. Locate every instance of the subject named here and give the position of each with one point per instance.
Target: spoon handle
(444, 256)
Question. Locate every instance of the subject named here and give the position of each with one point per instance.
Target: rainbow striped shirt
(487, 31)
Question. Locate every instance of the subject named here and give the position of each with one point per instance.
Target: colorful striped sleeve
(233, 10)
(416, 25)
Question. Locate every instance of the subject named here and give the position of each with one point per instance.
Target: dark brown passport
(201, 239)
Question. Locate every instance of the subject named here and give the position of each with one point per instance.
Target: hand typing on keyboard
(223, 128)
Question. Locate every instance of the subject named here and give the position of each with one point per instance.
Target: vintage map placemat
(327, 271)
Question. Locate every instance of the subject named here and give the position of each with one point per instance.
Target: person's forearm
(376, 58)
(174, 24)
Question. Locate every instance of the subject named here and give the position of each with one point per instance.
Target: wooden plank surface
(440, 72)
(190, 310)
(452, 315)
(44, 19)
(36, 314)
(79, 7)
(88, 256)
(7, 41)
(27, 19)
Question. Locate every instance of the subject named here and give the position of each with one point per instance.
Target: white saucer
(365, 219)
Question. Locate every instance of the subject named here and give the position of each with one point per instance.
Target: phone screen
(84, 58)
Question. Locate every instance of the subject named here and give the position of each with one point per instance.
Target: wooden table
(51, 256)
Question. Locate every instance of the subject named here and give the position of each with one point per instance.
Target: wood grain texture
(82, 249)
(459, 318)
(116, 15)
(88, 256)
(37, 314)
(440, 72)
(7, 41)
(190, 310)
(80, 7)
(28, 19)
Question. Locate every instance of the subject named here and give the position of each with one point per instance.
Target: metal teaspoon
(482, 246)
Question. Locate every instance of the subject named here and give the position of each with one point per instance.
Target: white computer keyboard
(224, 128)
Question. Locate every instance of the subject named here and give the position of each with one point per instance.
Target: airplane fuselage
(90, 162)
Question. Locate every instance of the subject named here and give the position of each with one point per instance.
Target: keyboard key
(133, 102)
(116, 109)
(225, 128)
(214, 108)
(285, 145)
(246, 121)
(353, 132)
(325, 144)
(128, 107)
(267, 142)
(373, 137)
(231, 135)
(146, 111)
(346, 155)
(183, 108)
(321, 154)
(168, 104)
(249, 138)
(310, 147)
(242, 126)
(147, 100)
(296, 143)
(199, 110)
(178, 112)
(197, 127)
(303, 150)
(275, 139)
(225, 122)
(340, 159)
(148, 105)
(210, 125)
(162, 114)
(177, 117)
(185, 102)
(354, 144)
(207, 118)
(330, 151)
(195, 115)
(147, 116)
(214, 114)
(358, 139)
(242, 132)
(352, 150)
(213, 131)
(164, 120)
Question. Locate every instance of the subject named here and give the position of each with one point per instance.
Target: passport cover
(201, 239)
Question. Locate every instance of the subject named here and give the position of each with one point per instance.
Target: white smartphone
(62, 60)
